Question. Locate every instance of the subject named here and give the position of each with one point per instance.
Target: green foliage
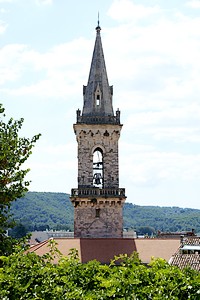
(154, 218)
(146, 230)
(38, 211)
(14, 151)
(41, 211)
(28, 276)
(18, 231)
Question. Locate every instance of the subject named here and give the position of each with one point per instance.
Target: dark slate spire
(97, 94)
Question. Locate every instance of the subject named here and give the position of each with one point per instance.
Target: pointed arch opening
(97, 96)
(97, 100)
(98, 168)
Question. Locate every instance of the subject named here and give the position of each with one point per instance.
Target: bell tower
(98, 200)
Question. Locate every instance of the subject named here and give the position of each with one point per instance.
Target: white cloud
(44, 2)
(59, 56)
(156, 71)
(193, 4)
(50, 162)
(10, 67)
(3, 27)
(149, 167)
(56, 73)
(5, 1)
(175, 124)
(126, 10)
(149, 52)
(3, 10)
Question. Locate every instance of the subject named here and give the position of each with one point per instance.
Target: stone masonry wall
(98, 221)
(106, 137)
(101, 216)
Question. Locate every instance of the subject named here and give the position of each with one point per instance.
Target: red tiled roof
(104, 250)
(195, 240)
(158, 248)
(183, 260)
(186, 260)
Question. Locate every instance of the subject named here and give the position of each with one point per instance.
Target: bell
(97, 178)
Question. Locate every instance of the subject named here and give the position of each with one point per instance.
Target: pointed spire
(97, 93)
(98, 28)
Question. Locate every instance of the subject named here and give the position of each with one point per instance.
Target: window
(97, 95)
(98, 100)
(97, 212)
(98, 168)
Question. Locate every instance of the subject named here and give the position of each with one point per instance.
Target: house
(188, 253)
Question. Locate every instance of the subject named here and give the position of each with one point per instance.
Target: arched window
(98, 168)
(97, 100)
(98, 96)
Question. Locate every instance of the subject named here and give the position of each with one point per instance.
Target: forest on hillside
(42, 210)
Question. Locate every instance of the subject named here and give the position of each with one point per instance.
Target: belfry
(98, 200)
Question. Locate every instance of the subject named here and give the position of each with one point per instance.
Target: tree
(19, 231)
(28, 276)
(146, 230)
(14, 151)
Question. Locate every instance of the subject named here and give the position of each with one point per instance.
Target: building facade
(98, 200)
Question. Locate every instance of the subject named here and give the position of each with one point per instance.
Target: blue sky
(152, 53)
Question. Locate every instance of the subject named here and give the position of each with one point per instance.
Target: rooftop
(104, 249)
(188, 254)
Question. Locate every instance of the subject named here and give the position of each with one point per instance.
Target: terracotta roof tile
(186, 260)
(183, 260)
(158, 248)
(104, 250)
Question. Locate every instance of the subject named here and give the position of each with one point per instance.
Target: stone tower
(98, 200)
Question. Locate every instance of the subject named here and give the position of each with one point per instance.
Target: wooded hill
(40, 211)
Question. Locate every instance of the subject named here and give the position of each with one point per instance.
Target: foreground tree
(14, 151)
(28, 276)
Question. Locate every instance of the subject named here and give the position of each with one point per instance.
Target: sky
(152, 54)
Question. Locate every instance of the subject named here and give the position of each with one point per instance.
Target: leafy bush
(28, 276)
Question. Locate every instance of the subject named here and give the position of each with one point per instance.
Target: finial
(98, 28)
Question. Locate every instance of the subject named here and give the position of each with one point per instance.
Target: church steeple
(97, 93)
(98, 200)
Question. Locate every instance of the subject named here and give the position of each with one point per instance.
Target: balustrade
(97, 192)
